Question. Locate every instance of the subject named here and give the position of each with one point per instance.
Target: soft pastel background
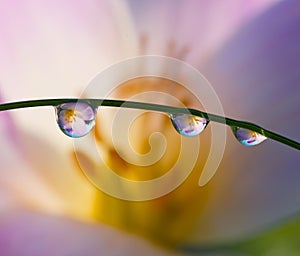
(248, 50)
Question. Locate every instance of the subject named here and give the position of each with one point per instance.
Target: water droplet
(248, 137)
(188, 125)
(75, 119)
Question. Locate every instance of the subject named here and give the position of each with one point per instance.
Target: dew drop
(75, 119)
(188, 125)
(248, 137)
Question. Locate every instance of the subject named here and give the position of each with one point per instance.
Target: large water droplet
(188, 125)
(75, 119)
(248, 137)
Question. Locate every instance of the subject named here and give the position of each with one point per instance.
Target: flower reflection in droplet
(248, 137)
(188, 125)
(75, 119)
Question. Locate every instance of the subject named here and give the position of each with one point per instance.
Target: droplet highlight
(187, 124)
(75, 119)
(248, 137)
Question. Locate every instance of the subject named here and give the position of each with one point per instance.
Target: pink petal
(28, 233)
(191, 29)
(36, 175)
(53, 49)
(257, 77)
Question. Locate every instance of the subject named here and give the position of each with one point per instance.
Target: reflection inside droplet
(75, 119)
(188, 125)
(248, 137)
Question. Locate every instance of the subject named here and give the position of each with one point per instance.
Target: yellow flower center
(167, 220)
(70, 115)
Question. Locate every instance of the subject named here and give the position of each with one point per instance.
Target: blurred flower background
(249, 51)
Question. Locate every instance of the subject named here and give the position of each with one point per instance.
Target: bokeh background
(248, 50)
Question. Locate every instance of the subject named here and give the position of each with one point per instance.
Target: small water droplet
(188, 125)
(248, 137)
(75, 119)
